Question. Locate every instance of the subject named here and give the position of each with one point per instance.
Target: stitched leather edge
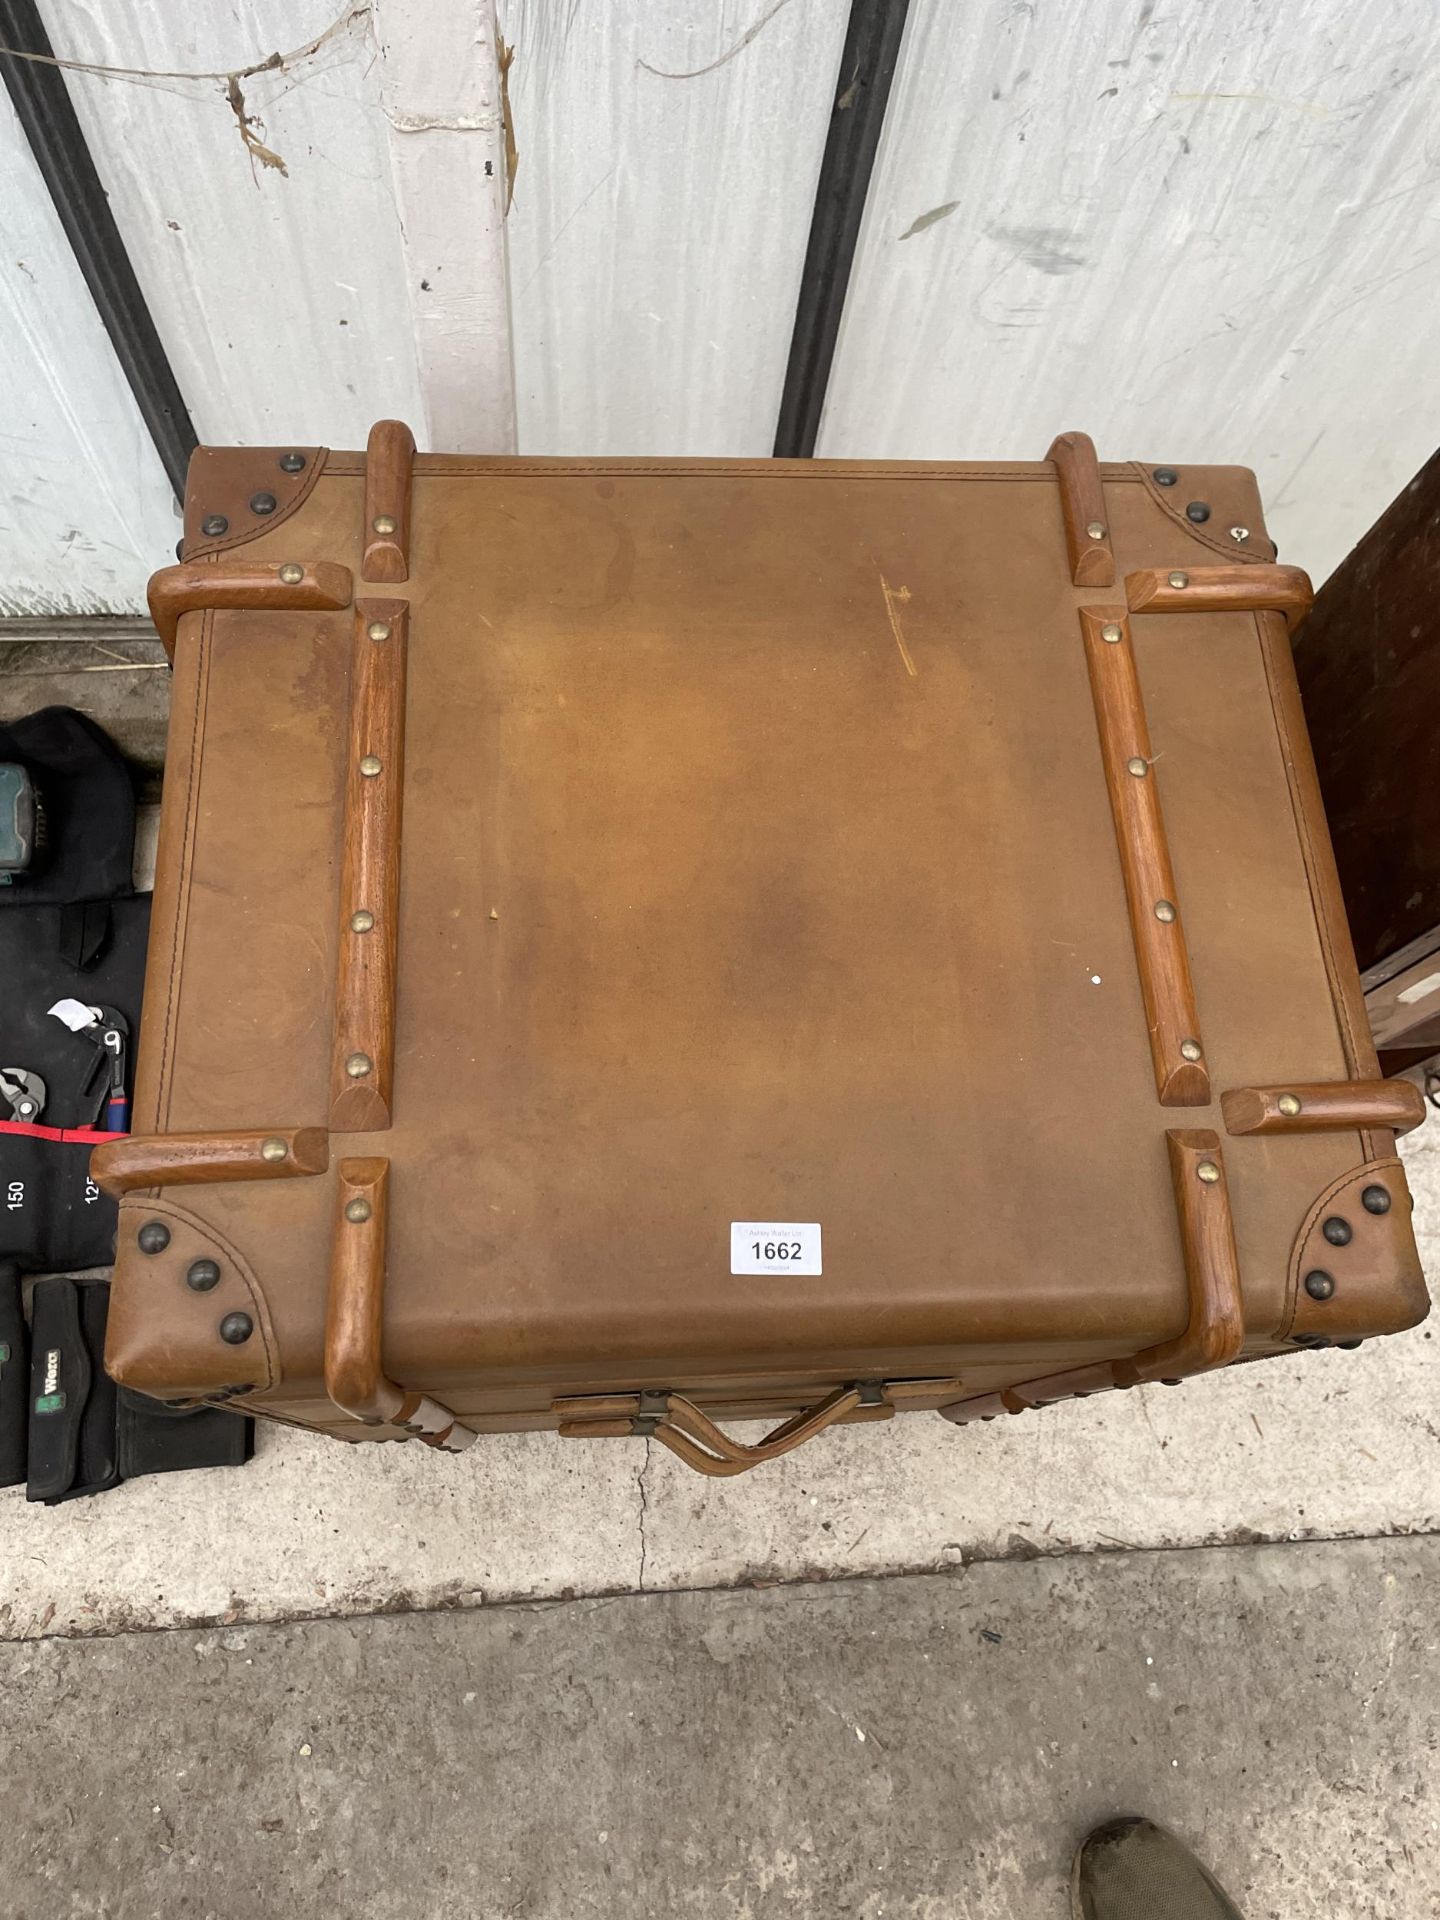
(204, 549)
(187, 860)
(1160, 495)
(352, 465)
(181, 1216)
(1365, 1171)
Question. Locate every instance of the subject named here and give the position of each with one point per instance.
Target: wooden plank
(1368, 662)
(668, 160)
(1195, 230)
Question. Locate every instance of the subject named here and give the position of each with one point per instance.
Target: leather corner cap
(1231, 498)
(1354, 1268)
(250, 489)
(187, 1316)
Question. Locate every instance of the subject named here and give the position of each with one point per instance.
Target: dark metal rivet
(202, 1275)
(262, 503)
(1165, 476)
(1349, 1345)
(236, 1329)
(153, 1237)
(291, 462)
(1376, 1199)
(179, 549)
(214, 524)
(1198, 512)
(1319, 1285)
(1337, 1231)
(1169, 1383)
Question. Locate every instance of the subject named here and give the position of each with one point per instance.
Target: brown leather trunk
(564, 862)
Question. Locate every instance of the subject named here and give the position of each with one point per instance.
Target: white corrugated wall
(1205, 234)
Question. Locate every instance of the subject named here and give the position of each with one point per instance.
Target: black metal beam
(867, 66)
(47, 114)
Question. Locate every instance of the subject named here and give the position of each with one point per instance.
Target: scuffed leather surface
(712, 909)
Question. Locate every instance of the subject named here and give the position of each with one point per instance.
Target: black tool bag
(87, 795)
(74, 928)
(74, 1430)
(53, 1219)
(14, 1377)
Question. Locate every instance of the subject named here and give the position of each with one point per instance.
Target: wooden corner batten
(1324, 1107)
(1161, 957)
(363, 1048)
(1214, 1330)
(389, 463)
(135, 1160)
(1082, 503)
(301, 586)
(355, 1317)
(1229, 588)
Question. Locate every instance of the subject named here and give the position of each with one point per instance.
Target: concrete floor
(926, 1746)
(697, 1744)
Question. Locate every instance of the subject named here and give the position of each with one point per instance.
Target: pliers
(24, 1093)
(109, 1031)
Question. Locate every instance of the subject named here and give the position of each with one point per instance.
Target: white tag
(775, 1246)
(75, 1014)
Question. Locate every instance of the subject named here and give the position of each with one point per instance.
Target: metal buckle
(654, 1406)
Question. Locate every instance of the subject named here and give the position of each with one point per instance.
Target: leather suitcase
(646, 943)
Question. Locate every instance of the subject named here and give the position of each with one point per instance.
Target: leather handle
(692, 1436)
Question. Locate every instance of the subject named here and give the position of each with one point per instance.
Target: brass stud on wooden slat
(1289, 1105)
(378, 630)
(370, 766)
(1095, 530)
(357, 1211)
(1207, 1173)
(292, 574)
(362, 921)
(358, 1065)
(1138, 767)
(1165, 910)
(1179, 580)
(1111, 632)
(383, 523)
(1191, 1050)
(273, 1149)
